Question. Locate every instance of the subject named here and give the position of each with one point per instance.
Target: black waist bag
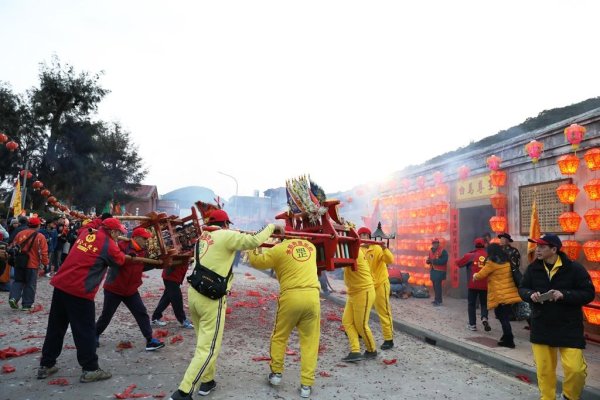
(207, 282)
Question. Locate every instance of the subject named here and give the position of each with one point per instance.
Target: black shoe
(179, 395)
(387, 344)
(207, 387)
(352, 357)
(369, 355)
(509, 344)
(486, 325)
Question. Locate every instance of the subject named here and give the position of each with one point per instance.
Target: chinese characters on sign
(477, 187)
(548, 205)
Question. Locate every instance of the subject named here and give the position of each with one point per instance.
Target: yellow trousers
(298, 308)
(208, 317)
(384, 310)
(356, 319)
(574, 367)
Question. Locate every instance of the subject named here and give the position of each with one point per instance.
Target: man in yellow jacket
(216, 251)
(379, 256)
(361, 296)
(295, 264)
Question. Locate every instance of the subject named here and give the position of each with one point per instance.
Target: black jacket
(558, 323)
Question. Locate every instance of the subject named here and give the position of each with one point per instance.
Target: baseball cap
(435, 240)
(219, 216)
(113, 224)
(479, 242)
(141, 232)
(548, 240)
(505, 235)
(34, 221)
(363, 230)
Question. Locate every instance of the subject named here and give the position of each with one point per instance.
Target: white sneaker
(472, 327)
(274, 379)
(305, 391)
(158, 322)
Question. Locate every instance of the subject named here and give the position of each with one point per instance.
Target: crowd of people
(77, 258)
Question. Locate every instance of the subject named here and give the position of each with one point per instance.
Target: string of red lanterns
(11, 145)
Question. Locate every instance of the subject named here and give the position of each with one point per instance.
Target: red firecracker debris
(168, 318)
(253, 293)
(37, 308)
(247, 274)
(291, 352)
(34, 337)
(324, 374)
(390, 362)
(146, 276)
(160, 395)
(2, 334)
(341, 328)
(250, 278)
(59, 382)
(261, 358)
(7, 369)
(177, 338)
(69, 347)
(229, 310)
(11, 352)
(161, 333)
(124, 344)
(322, 348)
(333, 317)
(524, 378)
(16, 321)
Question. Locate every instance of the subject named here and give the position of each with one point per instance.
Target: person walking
(295, 265)
(121, 286)
(379, 256)
(502, 291)
(557, 288)
(33, 244)
(215, 251)
(438, 261)
(473, 261)
(172, 277)
(359, 302)
(75, 286)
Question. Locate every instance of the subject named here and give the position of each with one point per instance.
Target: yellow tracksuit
(361, 296)
(574, 367)
(217, 251)
(378, 258)
(295, 265)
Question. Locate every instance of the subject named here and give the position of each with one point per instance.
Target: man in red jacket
(33, 244)
(75, 286)
(122, 285)
(474, 260)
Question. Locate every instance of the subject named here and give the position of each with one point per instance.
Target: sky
(345, 91)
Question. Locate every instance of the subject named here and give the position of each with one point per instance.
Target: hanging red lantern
(592, 159)
(569, 221)
(592, 188)
(498, 201)
(37, 185)
(45, 193)
(441, 225)
(571, 248)
(441, 190)
(73, 213)
(574, 134)
(592, 217)
(534, 150)
(442, 207)
(568, 164)
(12, 146)
(592, 250)
(3, 138)
(463, 172)
(421, 182)
(567, 193)
(438, 177)
(493, 162)
(51, 200)
(498, 224)
(29, 174)
(498, 178)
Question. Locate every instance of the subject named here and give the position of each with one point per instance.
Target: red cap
(364, 230)
(34, 221)
(218, 216)
(113, 224)
(141, 232)
(479, 242)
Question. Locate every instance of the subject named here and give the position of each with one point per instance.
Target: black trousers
(503, 314)
(472, 295)
(171, 295)
(80, 313)
(135, 305)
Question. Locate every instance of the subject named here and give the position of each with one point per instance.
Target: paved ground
(420, 371)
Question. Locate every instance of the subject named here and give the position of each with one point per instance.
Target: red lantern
(592, 159)
(498, 178)
(592, 250)
(51, 200)
(574, 135)
(592, 188)
(498, 201)
(534, 150)
(493, 162)
(73, 213)
(29, 174)
(45, 193)
(441, 225)
(571, 248)
(12, 146)
(438, 177)
(568, 164)
(498, 224)
(37, 185)
(3, 138)
(442, 207)
(421, 182)
(592, 217)
(463, 172)
(567, 193)
(569, 221)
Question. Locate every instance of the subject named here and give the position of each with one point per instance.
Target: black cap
(505, 235)
(548, 240)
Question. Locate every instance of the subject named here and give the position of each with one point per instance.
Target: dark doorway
(473, 222)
